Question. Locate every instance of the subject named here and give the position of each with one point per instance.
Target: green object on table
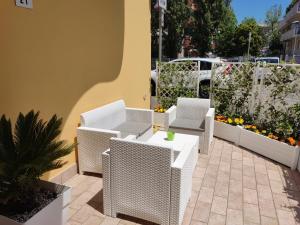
(171, 135)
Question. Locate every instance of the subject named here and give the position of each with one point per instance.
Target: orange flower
(292, 141)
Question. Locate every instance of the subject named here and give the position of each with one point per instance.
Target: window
(205, 65)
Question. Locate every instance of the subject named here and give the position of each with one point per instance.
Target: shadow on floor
(97, 203)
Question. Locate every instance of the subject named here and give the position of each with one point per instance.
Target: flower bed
(279, 151)
(226, 131)
(261, 141)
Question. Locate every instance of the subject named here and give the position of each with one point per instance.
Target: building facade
(66, 57)
(290, 34)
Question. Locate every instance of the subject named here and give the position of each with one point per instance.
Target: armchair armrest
(181, 185)
(92, 142)
(209, 129)
(106, 182)
(139, 115)
(170, 116)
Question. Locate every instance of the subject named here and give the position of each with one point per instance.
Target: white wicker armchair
(99, 125)
(192, 116)
(145, 181)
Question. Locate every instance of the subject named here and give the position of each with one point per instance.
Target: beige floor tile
(193, 199)
(188, 215)
(249, 182)
(237, 164)
(234, 217)
(199, 172)
(224, 166)
(221, 189)
(223, 176)
(195, 222)
(281, 202)
(237, 156)
(248, 161)
(274, 175)
(71, 222)
(267, 208)
(248, 171)
(202, 211)
(197, 182)
(285, 217)
(110, 221)
(216, 219)
(250, 196)
(235, 201)
(219, 205)
(236, 174)
(268, 221)
(277, 187)
(236, 186)
(206, 195)
(262, 179)
(264, 192)
(93, 220)
(81, 200)
(260, 168)
(83, 214)
(209, 181)
(251, 213)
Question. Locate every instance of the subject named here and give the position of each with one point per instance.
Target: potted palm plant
(26, 153)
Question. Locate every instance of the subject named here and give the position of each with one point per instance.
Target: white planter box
(56, 213)
(159, 119)
(276, 150)
(227, 132)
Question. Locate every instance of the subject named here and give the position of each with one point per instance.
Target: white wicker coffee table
(180, 143)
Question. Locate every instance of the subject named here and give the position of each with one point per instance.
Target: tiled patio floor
(231, 186)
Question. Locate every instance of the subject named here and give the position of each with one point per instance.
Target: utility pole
(249, 43)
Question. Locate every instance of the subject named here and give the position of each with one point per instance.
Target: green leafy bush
(26, 153)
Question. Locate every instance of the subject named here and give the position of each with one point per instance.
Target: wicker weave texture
(91, 144)
(140, 180)
(145, 182)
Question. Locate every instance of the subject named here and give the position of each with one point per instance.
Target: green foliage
(27, 153)
(264, 95)
(242, 37)
(176, 80)
(275, 45)
(290, 6)
(225, 44)
(176, 18)
(206, 21)
(273, 16)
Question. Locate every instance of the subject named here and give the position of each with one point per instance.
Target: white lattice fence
(175, 80)
(269, 95)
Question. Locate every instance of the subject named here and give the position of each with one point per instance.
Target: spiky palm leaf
(28, 152)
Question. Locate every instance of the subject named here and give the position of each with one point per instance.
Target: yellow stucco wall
(69, 56)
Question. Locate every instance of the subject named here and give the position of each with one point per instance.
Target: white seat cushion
(130, 127)
(180, 123)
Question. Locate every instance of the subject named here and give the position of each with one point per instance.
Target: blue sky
(255, 8)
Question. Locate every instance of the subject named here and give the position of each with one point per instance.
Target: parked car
(203, 68)
(274, 60)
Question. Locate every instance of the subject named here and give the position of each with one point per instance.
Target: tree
(272, 17)
(225, 42)
(176, 18)
(208, 18)
(275, 45)
(242, 37)
(272, 20)
(290, 6)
